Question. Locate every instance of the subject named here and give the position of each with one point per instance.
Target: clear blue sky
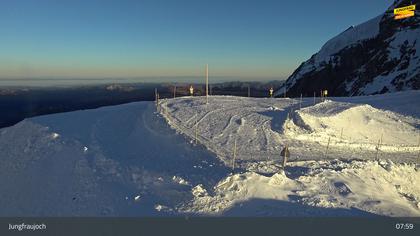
(94, 39)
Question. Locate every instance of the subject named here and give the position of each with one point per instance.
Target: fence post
(378, 147)
(328, 146)
(286, 151)
(314, 98)
(418, 145)
(196, 128)
(234, 156)
(157, 101)
(300, 103)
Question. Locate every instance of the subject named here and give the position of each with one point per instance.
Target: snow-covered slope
(378, 56)
(113, 161)
(262, 127)
(315, 183)
(127, 161)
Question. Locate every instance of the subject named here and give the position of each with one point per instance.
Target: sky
(258, 39)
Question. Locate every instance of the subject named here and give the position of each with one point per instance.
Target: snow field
(313, 183)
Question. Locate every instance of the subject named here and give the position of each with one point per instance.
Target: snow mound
(199, 191)
(354, 122)
(351, 188)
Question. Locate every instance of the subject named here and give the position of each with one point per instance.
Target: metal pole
(328, 145)
(207, 83)
(196, 128)
(418, 145)
(234, 156)
(300, 103)
(314, 98)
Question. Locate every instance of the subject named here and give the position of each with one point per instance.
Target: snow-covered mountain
(378, 56)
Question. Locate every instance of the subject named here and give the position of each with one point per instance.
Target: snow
(352, 35)
(262, 127)
(409, 38)
(325, 189)
(132, 152)
(359, 123)
(314, 183)
(129, 160)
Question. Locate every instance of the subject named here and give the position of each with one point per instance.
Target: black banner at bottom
(215, 226)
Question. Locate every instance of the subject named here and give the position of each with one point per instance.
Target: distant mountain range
(378, 56)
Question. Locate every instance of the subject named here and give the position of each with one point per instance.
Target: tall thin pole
(314, 98)
(328, 146)
(249, 91)
(234, 156)
(300, 102)
(418, 145)
(196, 128)
(207, 83)
(175, 91)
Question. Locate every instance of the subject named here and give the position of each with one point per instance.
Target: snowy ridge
(352, 35)
(349, 37)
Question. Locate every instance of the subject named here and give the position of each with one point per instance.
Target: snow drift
(351, 122)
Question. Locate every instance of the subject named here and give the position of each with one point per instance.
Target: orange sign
(402, 16)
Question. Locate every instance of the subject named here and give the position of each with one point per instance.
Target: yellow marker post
(271, 91)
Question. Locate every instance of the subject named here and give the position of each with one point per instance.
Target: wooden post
(328, 146)
(300, 103)
(314, 98)
(157, 102)
(286, 150)
(196, 128)
(234, 156)
(207, 83)
(378, 147)
(418, 145)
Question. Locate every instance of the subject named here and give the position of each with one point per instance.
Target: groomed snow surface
(348, 157)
